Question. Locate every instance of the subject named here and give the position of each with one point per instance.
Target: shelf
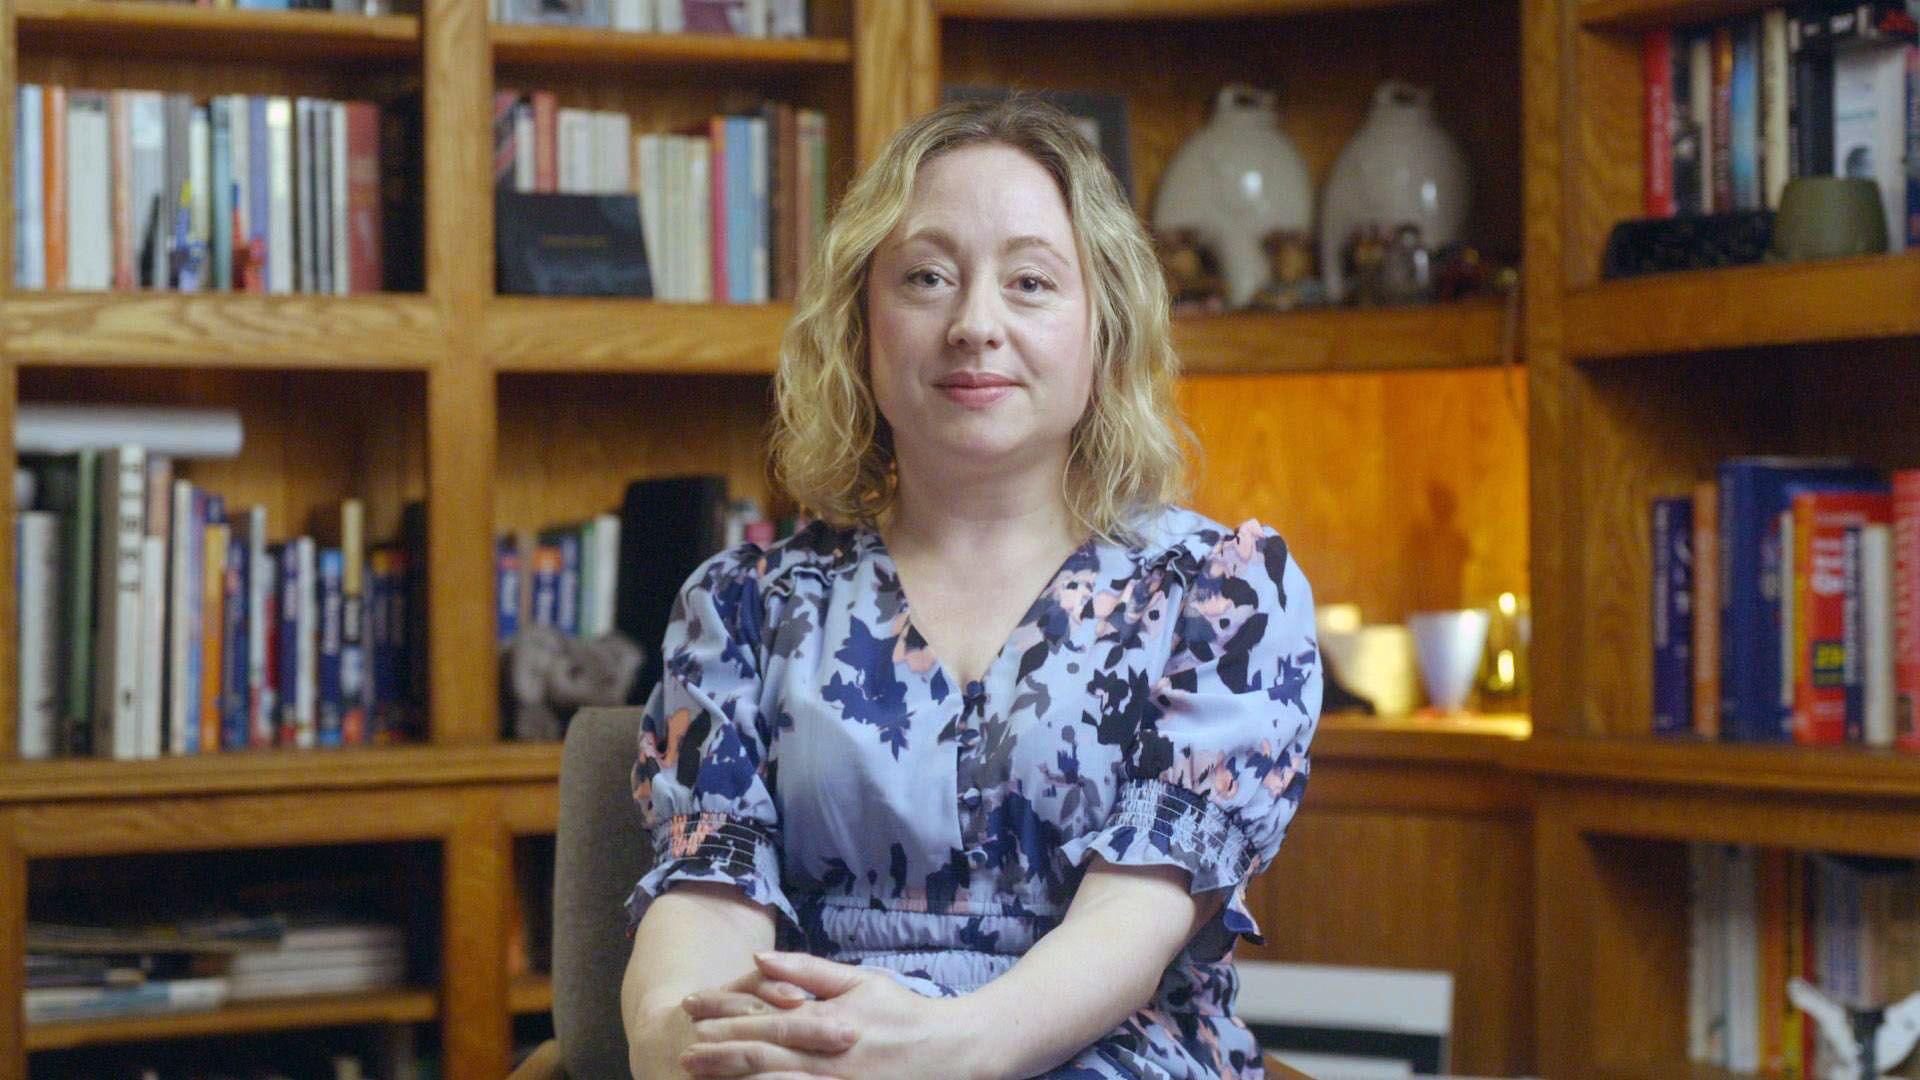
(383, 1007)
(260, 771)
(530, 994)
(559, 334)
(1798, 771)
(1640, 14)
(1465, 334)
(170, 31)
(1483, 738)
(393, 332)
(1746, 307)
(575, 46)
(1134, 10)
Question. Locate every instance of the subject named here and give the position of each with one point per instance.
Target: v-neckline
(973, 687)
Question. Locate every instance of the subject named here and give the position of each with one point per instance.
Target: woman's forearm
(693, 937)
(1079, 982)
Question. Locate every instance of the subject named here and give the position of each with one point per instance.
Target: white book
(700, 253)
(670, 17)
(89, 192)
(1869, 126)
(306, 701)
(30, 232)
(240, 151)
(1743, 959)
(317, 981)
(606, 541)
(147, 167)
(1775, 150)
(39, 614)
(756, 18)
(276, 961)
(1876, 615)
(761, 281)
(322, 135)
(183, 715)
(174, 430)
(787, 19)
(150, 738)
(342, 259)
(280, 239)
(634, 16)
(200, 182)
(117, 619)
(260, 581)
(49, 1003)
(613, 149)
(646, 177)
(573, 130)
(525, 152)
(676, 231)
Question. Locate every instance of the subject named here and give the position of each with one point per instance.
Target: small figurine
(1406, 271)
(547, 677)
(1366, 255)
(1458, 272)
(1293, 281)
(1194, 281)
(1863, 1044)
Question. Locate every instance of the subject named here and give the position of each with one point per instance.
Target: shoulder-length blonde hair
(832, 449)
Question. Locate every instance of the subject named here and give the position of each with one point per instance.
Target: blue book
(740, 218)
(1744, 113)
(1673, 616)
(1754, 491)
(235, 733)
(289, 652)
(259, 183)
(330, 568)
(507, 564)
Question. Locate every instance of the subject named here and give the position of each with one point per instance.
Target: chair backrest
(600, 851)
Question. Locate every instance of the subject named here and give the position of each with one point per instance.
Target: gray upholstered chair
(599, 852)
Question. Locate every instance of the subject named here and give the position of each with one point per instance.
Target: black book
(570, 245)
(668, 527)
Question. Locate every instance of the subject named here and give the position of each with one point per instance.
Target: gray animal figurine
(1863, 1043)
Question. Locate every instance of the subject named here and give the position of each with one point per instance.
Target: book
(1672, 576)
(571, 245)
(1825, 683)
(1657, 185)
(1706, 610)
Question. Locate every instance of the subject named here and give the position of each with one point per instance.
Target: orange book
(1825, 635)
(121, 151)
(213, 625)
(53, 173)
(1706, 610)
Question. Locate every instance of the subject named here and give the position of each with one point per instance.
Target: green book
(66, 486)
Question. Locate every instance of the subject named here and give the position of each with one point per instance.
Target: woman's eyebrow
(944, 240)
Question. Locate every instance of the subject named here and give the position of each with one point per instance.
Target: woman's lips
(976, 397)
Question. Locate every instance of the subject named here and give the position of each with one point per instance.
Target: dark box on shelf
(569, 245)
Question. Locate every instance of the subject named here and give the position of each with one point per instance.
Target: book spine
(271, 572)
(1744, 115)
(1906, 608)
(281, 245)
(328, 733)
(340, 200)
(353, 556)
(261, 582)
(30, 237)
(235, 659)
(719, 244)
(1876, 615)
(1723, 120)
(121, 139)
(1776, 152)
(123, 498)
(215, 540)
(220, 191)
(260, 193)
(53, 183)
(89, 176)
(1672, 521)
(182, 717)
(287, 730)
(151, 740)
(1706, 610)
(37, 589)
(546, 129)
(506, 591)
(1656, 56)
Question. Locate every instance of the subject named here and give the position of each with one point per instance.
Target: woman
(1003, 828)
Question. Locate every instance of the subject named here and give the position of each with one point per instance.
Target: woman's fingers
(714, 1004)
(823, 977)
(742, 1059)
(784, 994)
(814, 1033)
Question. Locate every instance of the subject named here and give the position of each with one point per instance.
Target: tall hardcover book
(668, 527)
(1706, 610)
(37, 590)
(1753, 495)
(1744, 116)
(1672, 616)
(123, 527)
(1826, 679)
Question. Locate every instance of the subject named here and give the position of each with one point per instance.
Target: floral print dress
(1154, 707)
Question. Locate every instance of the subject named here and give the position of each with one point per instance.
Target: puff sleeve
(1218, 762)
(701, 780)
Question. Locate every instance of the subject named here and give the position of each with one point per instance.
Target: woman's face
(980, 344)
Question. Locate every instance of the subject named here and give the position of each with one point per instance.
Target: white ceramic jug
(1401, 168)
(1233, 182)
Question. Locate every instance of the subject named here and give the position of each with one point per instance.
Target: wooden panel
(328, 1010)
(1169, 73)
(1606, 160)
(194, 823)
(1622, 14)
(9, 601)
(478, 890)
(1345, 339)
(13, 948)
(1157, 9)
(340, 333)
(530, 994)
(556, 334)
(896, 69)
(1417, 890)
(232, 69)
(700, 54)
(1841, 300)
(570, 444)
(1429, 510)
(1854, 772)
(280, 771)
(167, 31)
(9, 80)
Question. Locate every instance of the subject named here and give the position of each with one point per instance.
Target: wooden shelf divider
(405, 1006)
(163, 30)
(572, 45)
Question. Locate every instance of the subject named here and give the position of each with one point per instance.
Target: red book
(1906, 607)
(1828, 677)
(546, 142)
(53, 176)
(121, 151)
(1721, 128)
(717, 183)
(363, 197)
(1656, 58)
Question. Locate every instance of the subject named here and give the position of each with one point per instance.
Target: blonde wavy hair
(832, 450)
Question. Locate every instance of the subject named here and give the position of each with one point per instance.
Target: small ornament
(1862, 1044)
(1194, 282)
(1293, 280)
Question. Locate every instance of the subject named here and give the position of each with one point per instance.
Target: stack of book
(1736, 109)
(737, 18)
(1849, 926)
(137, 189)
(730, 209)
(1786, 605)
(154, 620)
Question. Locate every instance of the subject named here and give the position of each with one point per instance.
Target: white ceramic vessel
(1401, 168)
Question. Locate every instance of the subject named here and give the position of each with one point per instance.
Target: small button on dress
(1154, 706)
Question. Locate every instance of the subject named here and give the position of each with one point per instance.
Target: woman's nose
(977, 324)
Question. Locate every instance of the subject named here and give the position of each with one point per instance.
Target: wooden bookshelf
(1147, 10)
(706, 53)
(530, 994)
(1747, 307)
(1436, 336)
(1638, 14)
(554, 334)
(163, 30)
(395, 332)
(330, 1010)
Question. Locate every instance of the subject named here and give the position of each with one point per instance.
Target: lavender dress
(1154, 706)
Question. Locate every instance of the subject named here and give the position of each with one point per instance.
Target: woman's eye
(1036, 281)
(924, 277)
